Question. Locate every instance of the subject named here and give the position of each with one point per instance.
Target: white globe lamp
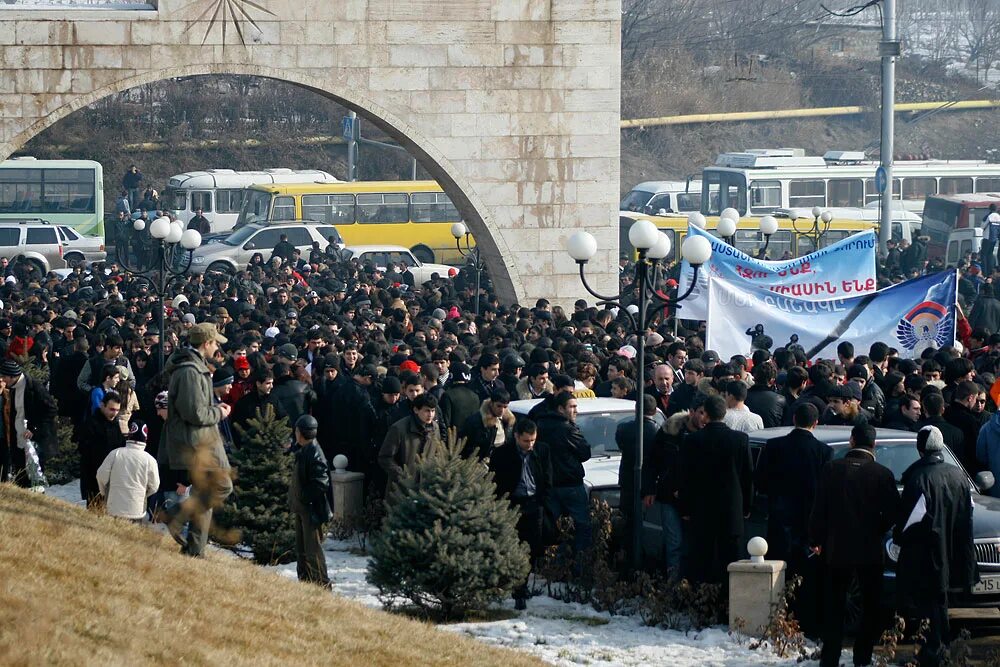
(160, 228)
(768, 225)
(726, 227)
(139, 225)
(175, 233)
(730, 213)
(817, 211)
(696, 250)
(642, 235)
(697, 219)
(757, 548)
(826, 217)
(458, 230)
(190, 239)
(582, 247)
(661, 248)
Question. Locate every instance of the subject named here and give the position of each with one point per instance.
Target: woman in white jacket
(129, 476)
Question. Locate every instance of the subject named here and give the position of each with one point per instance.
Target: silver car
(234, 252)
(36, 240)
(79, 248)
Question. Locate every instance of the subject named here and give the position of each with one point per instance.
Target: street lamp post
(820, 224)
(652, 246)
(168, 258)
(470, 253)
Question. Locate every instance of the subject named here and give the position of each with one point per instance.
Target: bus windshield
(175, 200)
(635, 200)
(721, 190)
(255, 208)
(940, 217)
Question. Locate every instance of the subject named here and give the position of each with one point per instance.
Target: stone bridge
(512, 105)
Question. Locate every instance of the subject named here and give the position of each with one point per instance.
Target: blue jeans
(670, 522)
(573, 501)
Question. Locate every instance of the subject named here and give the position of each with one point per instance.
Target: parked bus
(63, 192)
(662, 197)
(759, 182)
(944, 214)
(219, 193)
(791, 240)
(415, 214)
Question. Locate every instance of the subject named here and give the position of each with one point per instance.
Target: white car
(384, 255)
(80, 248)
(234, 252)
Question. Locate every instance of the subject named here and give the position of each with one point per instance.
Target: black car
(897, 450)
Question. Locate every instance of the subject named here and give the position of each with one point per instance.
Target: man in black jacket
(295, 397)
(283, 249)
(788, 471)
(353, 418)
(716, 492)
(29, 414)
(934, 535)
(99, 435)
(246, 408)
(933, 408)
(855, 504)
(489, 428)
(625, 436)
(762, 399)
(459, 400)
(568, 449)
(960, 415)
(522, 472)
(684, 394)
(906, 418)
(487, 375)
(309, 498)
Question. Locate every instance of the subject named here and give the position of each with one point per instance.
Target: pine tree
(448, 544)
(259, 510)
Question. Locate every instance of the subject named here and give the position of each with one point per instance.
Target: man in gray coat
(191, 435)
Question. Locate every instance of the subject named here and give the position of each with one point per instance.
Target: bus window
(953, 185)
(872, 195)
(255, 208)
(988, 184)
(806, 194)
(201, 199)
(383, 208)
(919, 188)
(175, 200)
(229, 201)
(765, 196)
(833, 237)
(977, 215)
(752, 242)
(722, 190)
(845, 192)
(334, 209)
(688, 201)
(68, 191)
(432, 207)
(940, 217)
(284, 208)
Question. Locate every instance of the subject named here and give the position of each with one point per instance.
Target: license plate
(986, 586)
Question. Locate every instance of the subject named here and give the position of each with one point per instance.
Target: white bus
(760, 182)
(220, 193)
(64, 192)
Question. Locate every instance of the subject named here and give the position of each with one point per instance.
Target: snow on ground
(557, 632)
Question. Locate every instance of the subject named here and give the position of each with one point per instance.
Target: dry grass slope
(81, 589)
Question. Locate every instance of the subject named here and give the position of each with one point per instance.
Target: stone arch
(497, 253)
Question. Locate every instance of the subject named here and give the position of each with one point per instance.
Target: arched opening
(432, 161)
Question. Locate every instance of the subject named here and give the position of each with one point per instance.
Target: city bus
(944, 214)
(415, 214)
(759, 182)
(219, 193)
(791, 240)
(63, 192)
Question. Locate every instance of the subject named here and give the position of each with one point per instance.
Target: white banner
(843, 269)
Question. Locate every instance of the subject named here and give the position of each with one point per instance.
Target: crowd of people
(363, 362)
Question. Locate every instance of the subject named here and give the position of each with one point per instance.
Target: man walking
(716, 492)
(934, 535)
(309, 498)
(856, 503)
(191, 435)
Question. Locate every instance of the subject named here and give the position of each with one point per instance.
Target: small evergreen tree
(64, 467)
(447, 544)
(259, 510)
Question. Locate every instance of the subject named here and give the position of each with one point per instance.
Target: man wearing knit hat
(191, 434)
(31, 415)
(934, 535)
(128, 476)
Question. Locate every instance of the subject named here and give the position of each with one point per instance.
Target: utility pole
(889, 50)
(352, 146)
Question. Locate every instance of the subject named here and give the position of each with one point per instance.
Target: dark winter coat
(934, 532)
(309, 494)
(96, 438)
(665, 459)
(246, 409)
(483, 388)
(284, 250)
(969, 423)
(295, 397)
(40, 411)
(873, 400)
(625, 438)
(985, 314)
(406, 440)
(856, 503)
(459, 401)
(192, 424)
(568, 449)
(506, 466)
(788, 472)
(914, 257)
(352, 418)
(954, 439)
(480, 431)
(767, 404)
(717, 478)
(681, 398)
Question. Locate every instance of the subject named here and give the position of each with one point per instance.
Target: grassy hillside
(77, 588)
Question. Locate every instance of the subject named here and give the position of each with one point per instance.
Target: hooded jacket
(192, 424)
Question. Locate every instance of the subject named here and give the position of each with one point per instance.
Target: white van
(219, 193)
(962, 241)
(663, 197)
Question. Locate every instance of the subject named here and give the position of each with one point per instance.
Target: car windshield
(240, 236)
(635, 200)
(896, 458)
(599, 429)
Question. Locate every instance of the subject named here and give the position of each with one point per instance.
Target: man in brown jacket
(410, 437)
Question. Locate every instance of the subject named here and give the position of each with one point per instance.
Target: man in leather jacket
(309, 499)
(295, 397)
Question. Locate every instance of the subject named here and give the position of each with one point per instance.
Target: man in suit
(522, 473)
(855, 504)
(716, 492)
(788, 472)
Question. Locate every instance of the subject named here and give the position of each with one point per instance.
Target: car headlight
(892, 550)
(198, 260)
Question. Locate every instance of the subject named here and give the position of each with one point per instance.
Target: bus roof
(27, 162)
(668, 186)
(349, 187)
(228, 178)
(969, 198)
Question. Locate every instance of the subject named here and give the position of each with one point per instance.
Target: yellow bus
(415, 214)
(787, 242)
